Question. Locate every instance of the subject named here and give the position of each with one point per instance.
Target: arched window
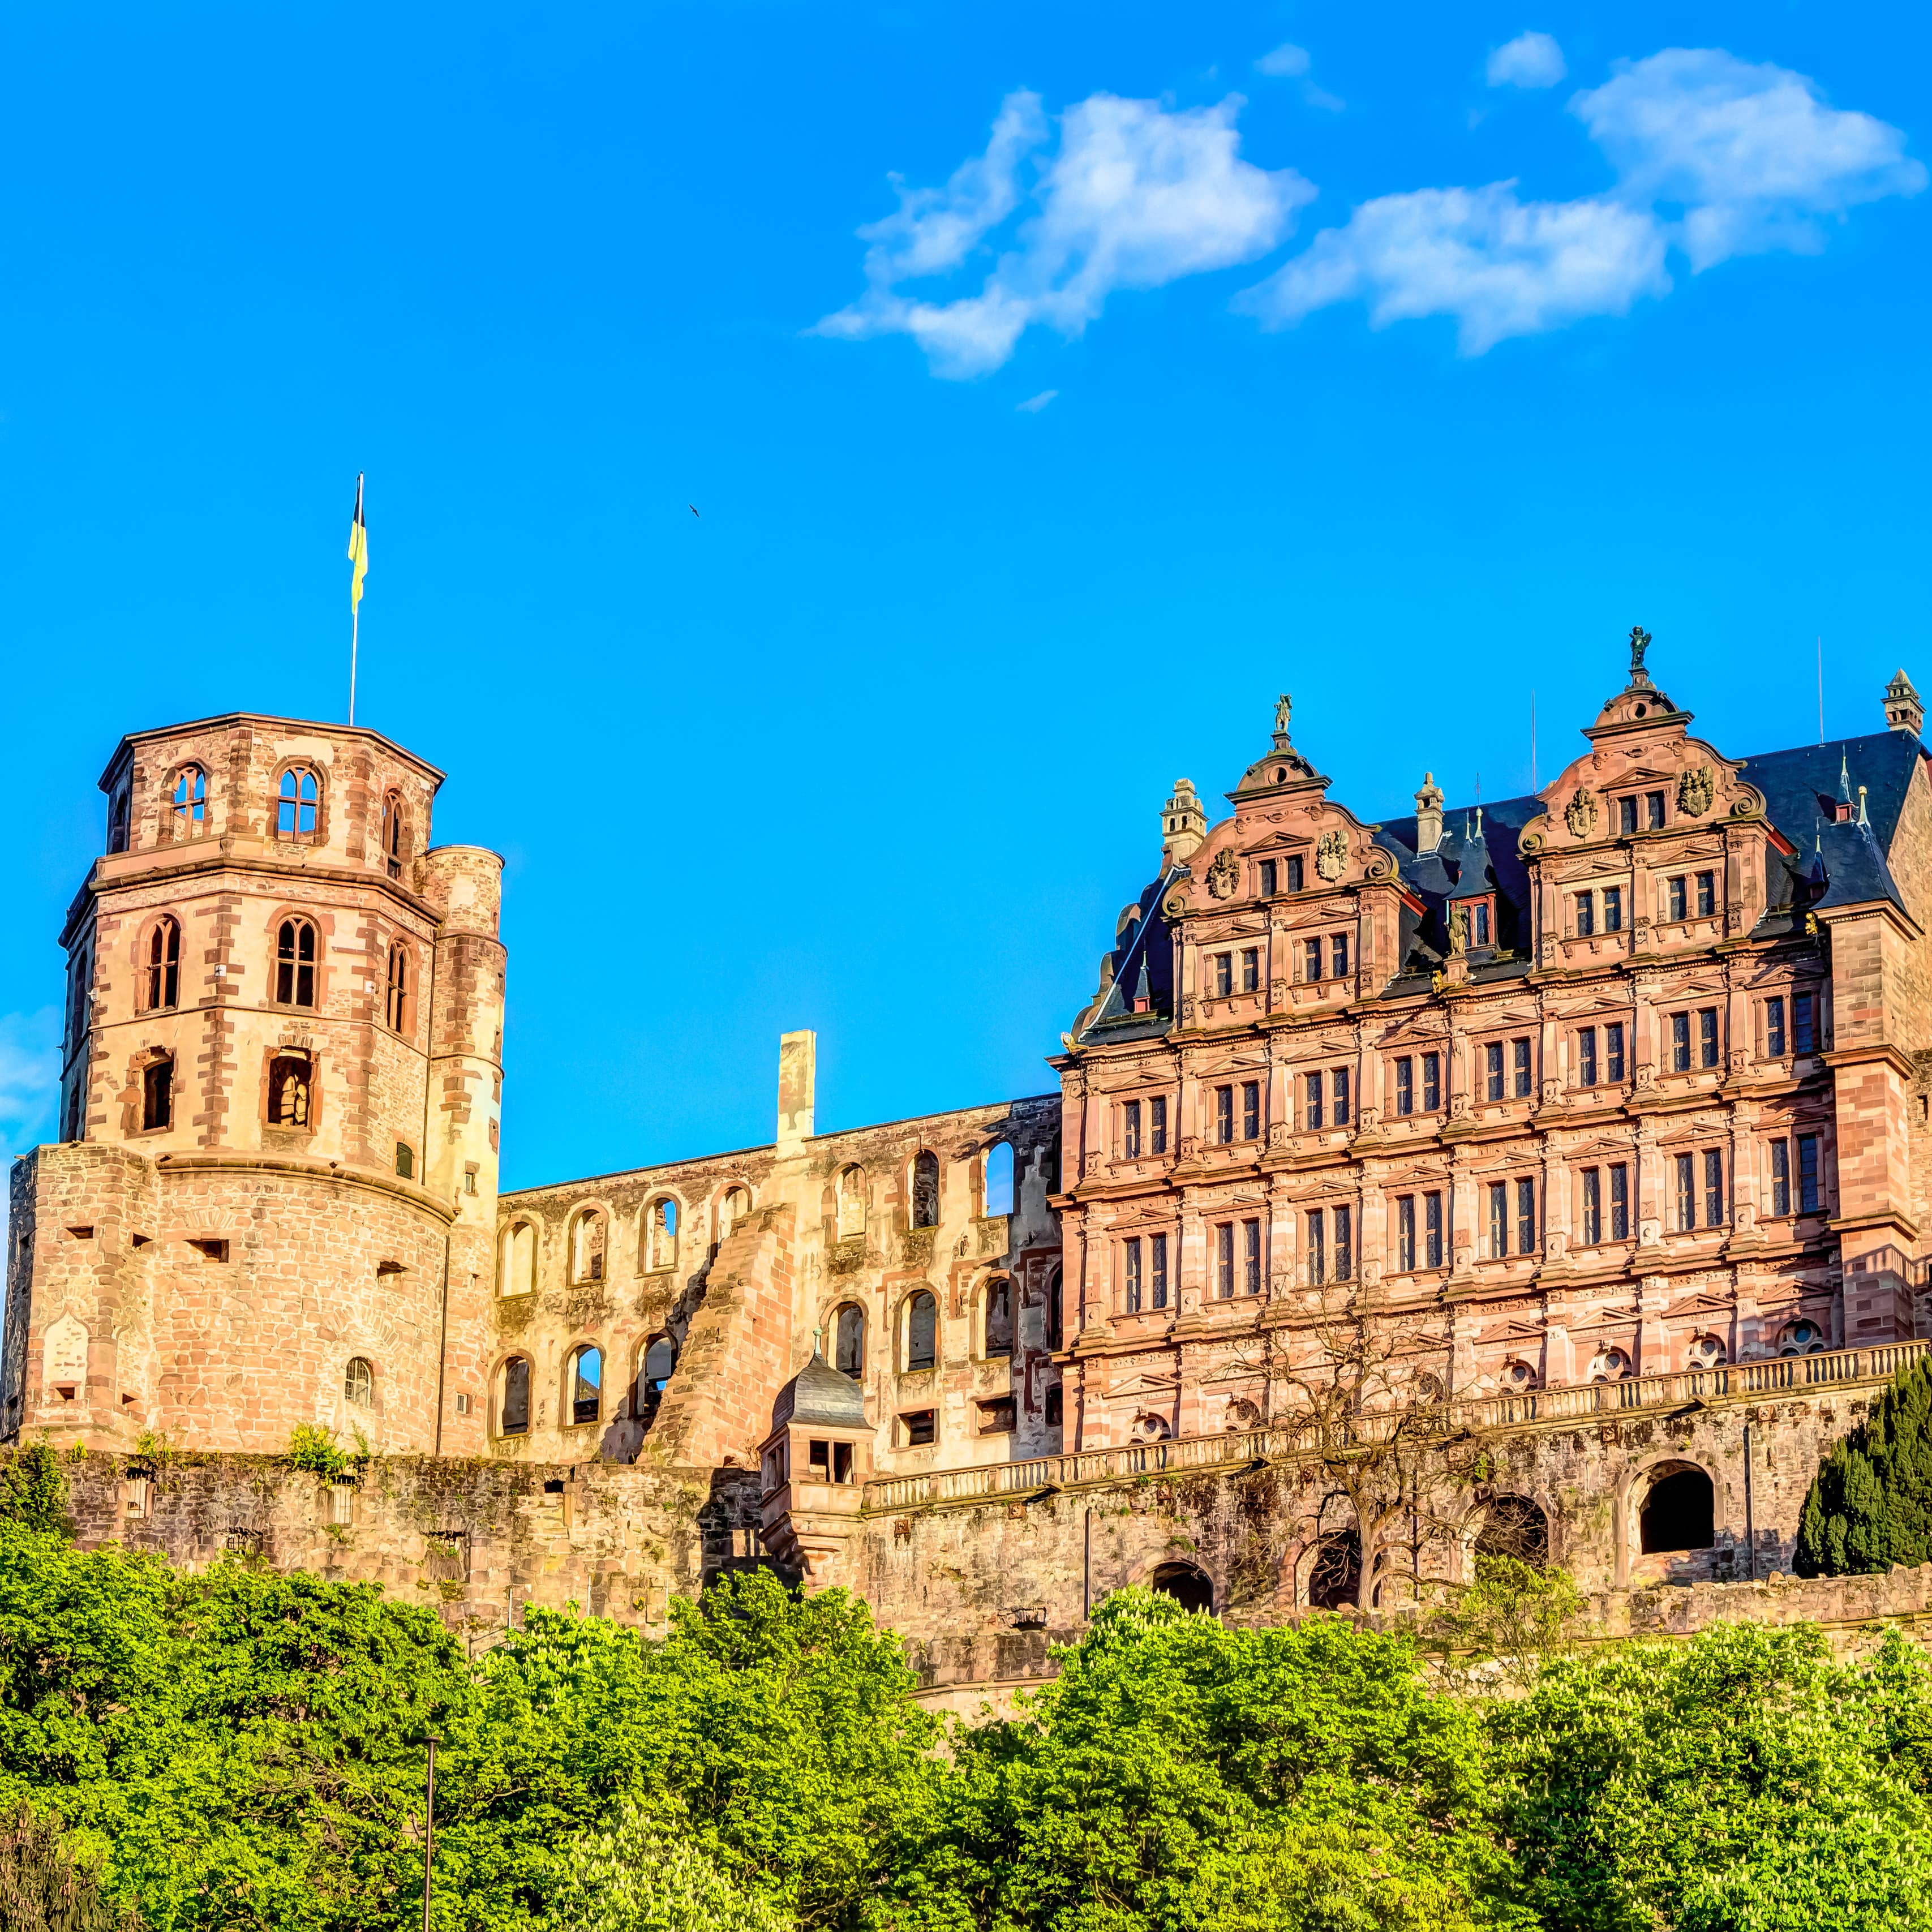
(1802, 1338)
(1705, 1351)
(660, 1233)
(1056, 1317)
(1000, 1178)
(849, 1340)
(1336, 1574)
(295, 964)
(117, 821)
(1514, 1526)
(925, 1189)
(162, 990)
(733, 1209)
(922, 1331)
(395, 839)
(1611, 1365)
(297, 805)
(851, 1202)
(188, 816)
(655, 1361)
(585, 1377)
(513, 1412)
(517, 1259)
(290, 1099)
(999, 1316)
(586, 1246)
(1679, 1511)
(398, 1006)
(1187, 1584)
(358, 1383)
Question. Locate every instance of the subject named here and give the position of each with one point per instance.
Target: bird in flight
(693, 508)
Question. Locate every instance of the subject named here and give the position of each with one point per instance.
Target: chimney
(1903, 710)
(1428, 815)
(798, 1073)
(1183, 824)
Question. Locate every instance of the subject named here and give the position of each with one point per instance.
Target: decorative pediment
(1142, 1385)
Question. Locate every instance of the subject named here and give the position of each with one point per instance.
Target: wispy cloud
(1033, 405)
(1134, 196)
(1713, 155)
(1290, 62)
(1530, 60)
(29, 1077)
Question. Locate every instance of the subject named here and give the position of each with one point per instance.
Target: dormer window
(297, 804)
(189, 813)
(1479, 922)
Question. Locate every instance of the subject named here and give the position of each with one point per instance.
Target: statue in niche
(1459, 928)
(1224, 876)
(1695, 791)
(1331, 855)
(1580, 815)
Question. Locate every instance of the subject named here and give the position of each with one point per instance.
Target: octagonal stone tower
(275, 1195)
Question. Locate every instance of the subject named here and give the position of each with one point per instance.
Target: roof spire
(1862, 819)
(1844, 779)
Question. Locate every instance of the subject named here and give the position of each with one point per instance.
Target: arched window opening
(999, 1178)
(925, 1189)
(1335, 1576)
(1516, 1527)
(117, 821)
(1056, 1317)
(188, 816)
(517, 1259)
(586, 1246)
(1679, 1514)
(295, 964)
(586, 1375)
(922, 1344)
(1517, 1377)
(1706, 1351)
(163, 990)
(660, 1233)
(851, 1202)
(733, 1209)
(999, 1316)
(297, 805)
(358, 1383)
(398, 1005)
(656, 1360)
(849, 1341)
(514, 1413)
(157, 1094)
(290, 1097)
(1611, 1365)
(395, 844)
(1187, 1584)
(1802, 1338)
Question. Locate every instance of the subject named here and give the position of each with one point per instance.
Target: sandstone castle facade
(1603, 1113)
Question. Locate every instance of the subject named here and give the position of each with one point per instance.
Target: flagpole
(355, 636)
(358, 565)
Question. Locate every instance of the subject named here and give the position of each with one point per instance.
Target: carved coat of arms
(1224, 875)
(1695, 791)
(1331, 855)
(1580, 815)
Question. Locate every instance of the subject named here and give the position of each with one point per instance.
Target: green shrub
(33, 1491)
(312, 1448)
(1869, 1506)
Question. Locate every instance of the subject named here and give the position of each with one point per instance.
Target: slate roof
(818, 1393)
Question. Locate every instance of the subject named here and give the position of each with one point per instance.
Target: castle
(1607, 1107)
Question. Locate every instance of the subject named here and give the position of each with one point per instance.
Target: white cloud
(1501, 265)
(1288, 60)
(1714, 156)
(1033, 405)
(1530, 60)
(1137, 196)
(1750, 152)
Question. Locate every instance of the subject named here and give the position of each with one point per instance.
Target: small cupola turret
(1904, 712)
(1183, 824)
(1428, 815)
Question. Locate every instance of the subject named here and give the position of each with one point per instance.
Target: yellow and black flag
(358, 553)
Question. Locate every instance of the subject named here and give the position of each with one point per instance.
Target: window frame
(288, 966)
(397, 990)
(163, 1065)
(293, 805)
(160, 976)
(187, 802)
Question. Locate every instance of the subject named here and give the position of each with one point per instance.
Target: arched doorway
(1335, 1576)
(1187, 1585)
(1679, 1511)
(1514, 1526)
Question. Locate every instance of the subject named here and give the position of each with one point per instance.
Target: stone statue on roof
(1282, 707)
(1639, 644)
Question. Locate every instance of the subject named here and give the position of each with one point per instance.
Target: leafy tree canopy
(1869, 1506)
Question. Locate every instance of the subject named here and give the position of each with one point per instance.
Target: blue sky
(1400, 357)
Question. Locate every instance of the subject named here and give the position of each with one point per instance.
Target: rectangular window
(1345, 1244)
(1620, 1203)
(1318, 1250)
(1586, 914)
(1224, 974)
(1338, 1087)
(1432, 1230)
(1251, 969)
(1593, 1207)
(1405, 1086)
(1311, 959)
(1492, 1062)
(1674, 895)
(1251, 1110)
(1680, 1043)
(1479, 923)
(1586, 1056)
(1780, 1178)
(1157, 1270)
(1268, 878)
(1498, 1218)
(1523, 1083)
(1613, 908)
(1311, 1112)
(157, 1095)
(1405, 1235)
(406, 1161)
(1707, 895)
(1132, 1246)
(1807, 1174)
(1804, 1023)
(1157, 1124)
(1626, 816)
(919, 1427)
(1224, 1114)
(1714, 1187)
(1294, 875)
(1773, 1029)
(1687, 1192)
(1432, 1082)
(1130, 1130)
(1251, 1258)
(1707, 1036)
(1338, 955)
(1613, 1051)
(1224, 1260)
(1525, 1217)
(1654, 812)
